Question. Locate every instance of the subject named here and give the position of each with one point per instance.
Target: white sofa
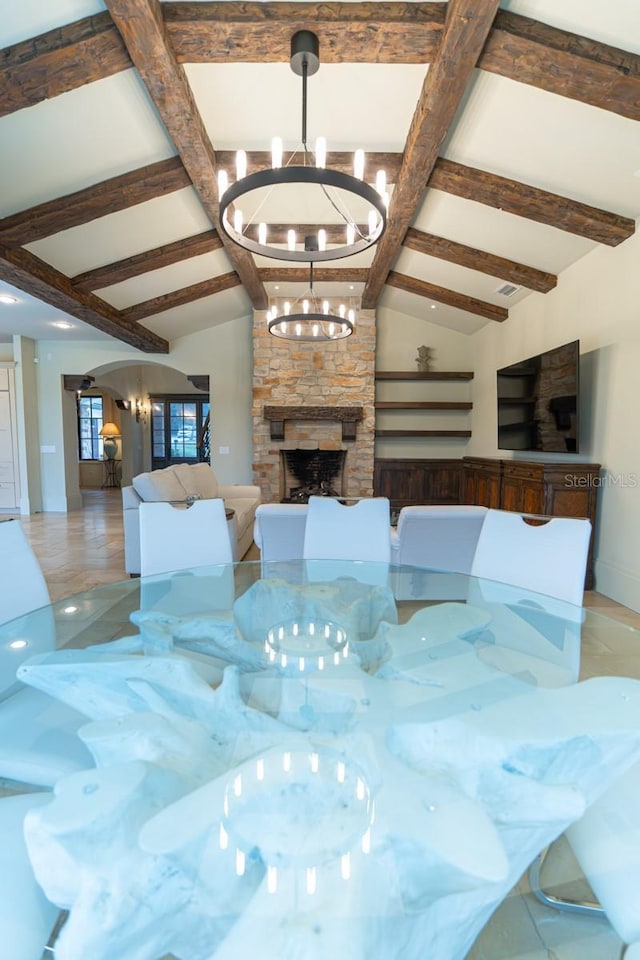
(176, 484)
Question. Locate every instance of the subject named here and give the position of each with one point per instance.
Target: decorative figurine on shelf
(423, 359)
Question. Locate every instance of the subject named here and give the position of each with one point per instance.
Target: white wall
(223, 352)
(27, 416)
(597, 301)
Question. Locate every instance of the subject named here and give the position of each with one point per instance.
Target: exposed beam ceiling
(453, 38)
(59, 61)
(154, 259)
(517, 47)
(465, 31)
(563, 63)
(531, 202)
(479, 260)
(451, 297)
(141, 25)
(375, 32)
(104, 198)
(26, 271)
(206, 288)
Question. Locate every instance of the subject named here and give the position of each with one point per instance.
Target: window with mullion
(90, 420)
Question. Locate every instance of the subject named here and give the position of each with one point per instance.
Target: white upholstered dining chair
(338, 534)
(38, 735)
(278, 531)
(532, 583)
(179, 537)
(438, 536)
(548, 556)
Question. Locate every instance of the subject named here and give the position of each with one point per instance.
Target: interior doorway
(179, 429)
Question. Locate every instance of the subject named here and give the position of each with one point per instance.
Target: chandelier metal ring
(320, 176)
(310, 327)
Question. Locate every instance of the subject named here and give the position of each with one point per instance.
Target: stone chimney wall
(286, 373)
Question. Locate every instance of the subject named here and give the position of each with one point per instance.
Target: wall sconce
(123, 404)
(141, 411)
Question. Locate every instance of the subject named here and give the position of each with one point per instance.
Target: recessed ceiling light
(7, 298)
(63, 325)
(433, 306)
(277, 286)
(350, 286)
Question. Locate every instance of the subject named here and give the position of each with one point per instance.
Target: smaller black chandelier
(310, 319)
(349, 195)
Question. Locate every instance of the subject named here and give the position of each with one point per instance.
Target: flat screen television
(539, 400)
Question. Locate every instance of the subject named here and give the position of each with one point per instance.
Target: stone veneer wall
(330, 374)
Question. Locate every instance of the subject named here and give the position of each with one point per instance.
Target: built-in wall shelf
(423, 433)
(424, 375)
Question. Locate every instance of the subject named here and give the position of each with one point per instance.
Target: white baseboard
(617, 583)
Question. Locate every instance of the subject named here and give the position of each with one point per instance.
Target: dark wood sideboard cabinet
(566, 489)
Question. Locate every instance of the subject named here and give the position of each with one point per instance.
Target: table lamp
(110, 431)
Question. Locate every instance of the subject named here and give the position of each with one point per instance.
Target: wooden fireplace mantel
(348, 416)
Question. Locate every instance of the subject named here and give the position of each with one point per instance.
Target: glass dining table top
(304, 760)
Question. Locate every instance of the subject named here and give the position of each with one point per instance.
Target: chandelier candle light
(362, 207)
(309, 318)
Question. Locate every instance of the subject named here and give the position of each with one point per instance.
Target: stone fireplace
(314, 397)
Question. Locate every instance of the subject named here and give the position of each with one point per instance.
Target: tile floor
(85, 548)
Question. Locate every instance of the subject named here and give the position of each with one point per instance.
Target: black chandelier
(361, 206)
(308, 318)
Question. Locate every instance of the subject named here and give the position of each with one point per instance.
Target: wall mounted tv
(539, 400)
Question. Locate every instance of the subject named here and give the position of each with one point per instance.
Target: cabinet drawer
(524, 471)
(6, 471)
(7, 494)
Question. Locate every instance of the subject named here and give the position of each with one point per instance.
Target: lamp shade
(109, 431)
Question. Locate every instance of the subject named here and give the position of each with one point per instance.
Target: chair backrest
(337, 532)
(177, 537)
(23, 590)
(22, 584)
(438, 537)
(336, 535)
(548, 558)
(278, 531)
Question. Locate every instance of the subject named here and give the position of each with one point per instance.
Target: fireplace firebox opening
(312, 473)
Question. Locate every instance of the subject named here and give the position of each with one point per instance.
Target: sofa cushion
(159, 485)
(198, 479)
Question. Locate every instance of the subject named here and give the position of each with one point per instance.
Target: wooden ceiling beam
(517, 47)
(563, 63)
(531, 202)
(29, 273)
(320, 274)
(465, 256)
(93, 202)
(154, 259)
(450, 297)
(466, 27)
(60, 60)
(241, 32)
(177, 298)
(141, 25)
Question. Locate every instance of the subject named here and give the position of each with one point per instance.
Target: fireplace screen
(312, 473)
